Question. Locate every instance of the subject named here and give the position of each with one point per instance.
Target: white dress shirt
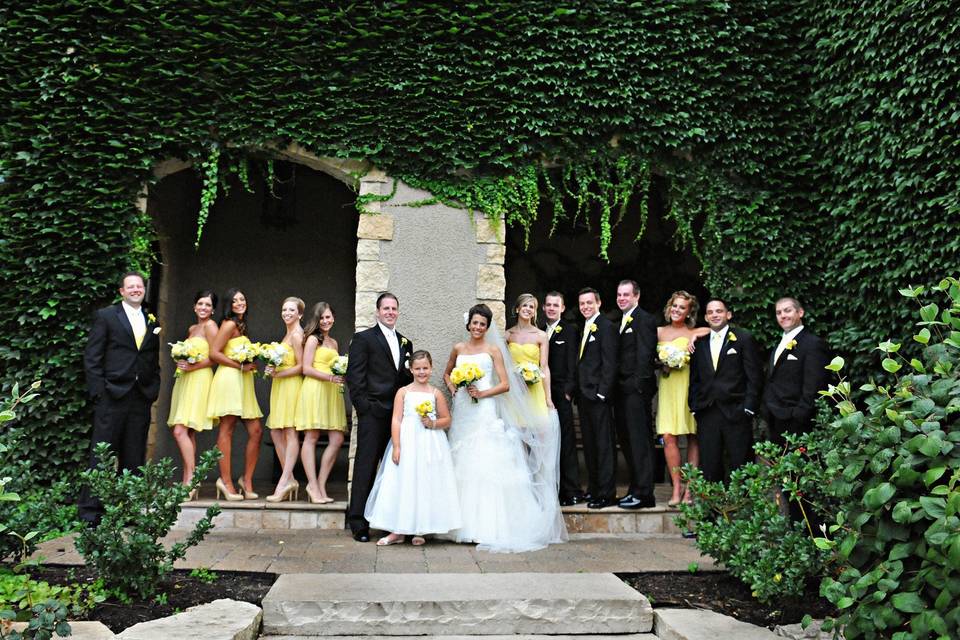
(551, 327)
(392, 342)
(787, 337)
(137, 322)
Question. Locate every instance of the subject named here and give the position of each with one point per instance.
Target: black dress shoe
(600, 503)
(362, 535)
(637, 502)
(586, 497)
(567, 502)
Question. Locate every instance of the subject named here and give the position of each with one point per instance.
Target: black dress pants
(598, 447)
(373, 434)
(716, 432)
(636, 441)
(569, 464)
(123, 423)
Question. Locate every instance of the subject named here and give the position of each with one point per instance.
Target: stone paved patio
(334, 551)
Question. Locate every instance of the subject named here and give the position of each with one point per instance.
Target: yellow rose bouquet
(272, 354)
(463, 375)
(530, 373)
(339, 368)
(186, 351)
(426, 410)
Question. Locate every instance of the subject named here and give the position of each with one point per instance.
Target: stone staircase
(455, 605)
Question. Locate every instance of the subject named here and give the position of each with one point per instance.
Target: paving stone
(624, 636)
(431, 604)
(217, 620)
(80, 630)
(699, 624)
(797, 632)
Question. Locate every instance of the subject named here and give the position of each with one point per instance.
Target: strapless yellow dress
(673, 411)
(231, 392)
(284, 393)
(188, 404)
(522, 353)
(321, 404)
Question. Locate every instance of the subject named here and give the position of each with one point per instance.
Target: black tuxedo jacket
(371, 374)
(735, 385)
(638, 350)
(597, 368)
(111, 360)
(562, 358)
(794, 380)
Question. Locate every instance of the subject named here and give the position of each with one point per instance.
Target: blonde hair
(297, 301)
(694, 307)
(523, 298)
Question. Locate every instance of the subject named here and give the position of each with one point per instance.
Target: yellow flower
(629, 319)
(777, 577)
(593, 328)
(425, 408)
(152, 319)
(731, 337)
(403, 341)
(790, 345)
(558, 329)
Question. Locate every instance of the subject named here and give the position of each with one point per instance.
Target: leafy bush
(896, 469)
(19, 593)
(126, 546)
(46, 619)
(744, 526)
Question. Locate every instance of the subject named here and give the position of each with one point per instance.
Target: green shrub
(139, 511)
(46, 619)
(743, 526)
(896, 469)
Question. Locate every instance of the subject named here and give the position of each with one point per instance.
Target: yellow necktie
(138, 336)
(715, 353)
(586, 336)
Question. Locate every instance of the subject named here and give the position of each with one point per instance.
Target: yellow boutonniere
(558, 329)
(152, 319)
(593, 328)
(731, 337)
(629, 319)
(403, 341)
(790, 345)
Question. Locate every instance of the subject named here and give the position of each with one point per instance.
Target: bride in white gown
(505, 452)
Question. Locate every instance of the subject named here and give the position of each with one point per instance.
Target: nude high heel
(247, 493)
(231, 497)
(286, 494)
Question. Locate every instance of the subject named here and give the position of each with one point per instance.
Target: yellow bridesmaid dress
(522, 353)
(284, 393)
(188, 404)
(673, 411)
(321, 404)
(231, 392)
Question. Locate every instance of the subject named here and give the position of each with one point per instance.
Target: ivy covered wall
(807, 145)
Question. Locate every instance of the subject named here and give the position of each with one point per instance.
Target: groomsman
(122, 366)
(636, 385)
(725, 380)
(564, 340)
(379, 364)
(795, 374)
(596, 375)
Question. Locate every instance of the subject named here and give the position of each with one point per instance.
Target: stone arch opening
(298, 238)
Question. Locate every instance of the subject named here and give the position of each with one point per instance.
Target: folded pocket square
(560, 342)
(790, 356)
(731, 351)
(628, 330)
(592, 339)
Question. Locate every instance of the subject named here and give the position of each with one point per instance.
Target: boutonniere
(790, 345)
(403, 342)
(558, 329)
(593, 328)
(152, 319)
(629, 319)
(731, 337)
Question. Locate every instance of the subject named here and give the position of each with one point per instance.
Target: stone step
(260, 514)
(453, 604)
(700, 624)
(622, 636)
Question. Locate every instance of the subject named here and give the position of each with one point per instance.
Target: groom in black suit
(564, 342)
(379, 364)
(596, 375)
(796, 373)
(725, 380)
(122, 366)
(635, 389)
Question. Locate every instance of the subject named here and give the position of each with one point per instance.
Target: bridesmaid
(232, 397)
(673, 412)
(284, 393)
(321, 406)
(188, 404)
(527, 343)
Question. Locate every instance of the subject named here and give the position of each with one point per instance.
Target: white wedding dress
(506, 470)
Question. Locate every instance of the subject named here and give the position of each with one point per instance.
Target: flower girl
(415, 491)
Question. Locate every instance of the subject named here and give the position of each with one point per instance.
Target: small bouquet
(339, 368)
(272, 354)
(463, 375)
(242, 352)
(672, 357)
(426, 410)
(530, 373)
(185, 351)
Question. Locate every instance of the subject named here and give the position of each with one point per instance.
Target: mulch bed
(181, 591)
(719, 591)
(714, 590)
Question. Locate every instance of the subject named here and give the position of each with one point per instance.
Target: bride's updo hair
(421, 354)
(479, 310)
